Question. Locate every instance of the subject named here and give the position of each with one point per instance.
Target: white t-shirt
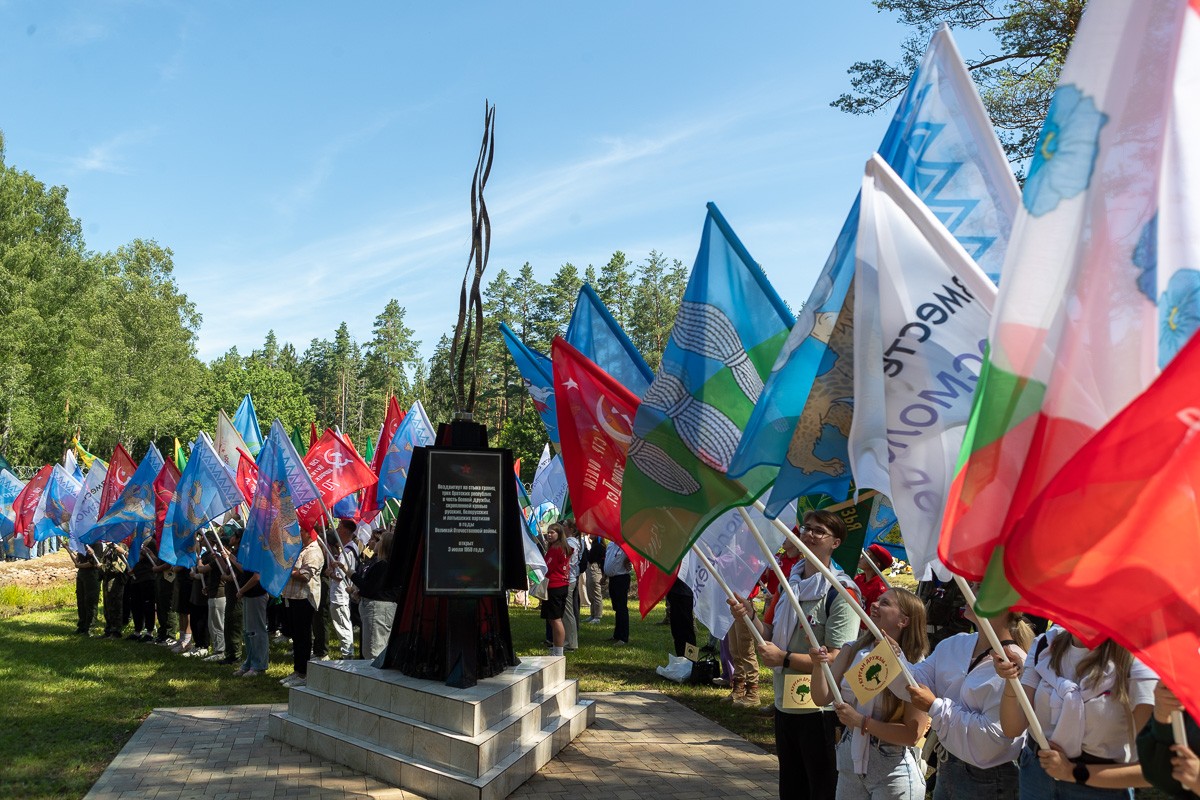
(1108, 729)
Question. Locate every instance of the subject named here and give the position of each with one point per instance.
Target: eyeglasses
(816, 533)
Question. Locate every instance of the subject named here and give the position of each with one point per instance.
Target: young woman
(558, 567)
(961, 693)
(1090, 703)
(877, 756)
(377, 600)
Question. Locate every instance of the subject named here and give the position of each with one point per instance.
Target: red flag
(337, 470)
(1108, 544)
(247, 475)
(313, 436)
(595, 426)
(164, 491)
(120, 470)
(26, 502)
(391, 423)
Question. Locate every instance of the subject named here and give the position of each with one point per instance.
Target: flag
(549, 483)
(883, 528)
(594, 333)
(87, 505)
(180, 456)
(1101, 287)
(347, 507)
(942, 145)
(535, 563)
(313, 436)
(874, 673)
(337, 471)
(132, 514)
(120, 468)
(391, 423)
(205, 491)
(53, 514)
(26, 503)
(369, 451)
(595, 416)
(164, 493)
(1118, 525)
(729, 329)
(737, 558)
(229, 441)
(537, 378)
(247, 475)
(298, 440)
(921, 312)
(272, 542)
(414, 431)
(86, 458)
(10, 490)
(245, 421)
(71, 465)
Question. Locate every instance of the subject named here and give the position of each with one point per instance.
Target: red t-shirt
(785, 563)
(872, 588)
(558, 566)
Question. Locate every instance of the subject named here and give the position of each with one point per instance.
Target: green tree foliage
(1016, 77)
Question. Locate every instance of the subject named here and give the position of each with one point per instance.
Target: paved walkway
(642, 745)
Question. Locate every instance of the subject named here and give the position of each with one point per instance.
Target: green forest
(105, 344)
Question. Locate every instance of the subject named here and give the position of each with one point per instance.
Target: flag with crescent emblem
(164, 493)
(272, 539)
(205, 491)
(595, 416)
(133, 512)
(120, 468)
(337, 470)
(26, 503)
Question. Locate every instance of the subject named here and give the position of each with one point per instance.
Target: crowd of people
(1106, 717)
(218, 611)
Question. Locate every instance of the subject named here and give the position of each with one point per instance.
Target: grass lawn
(72, 704)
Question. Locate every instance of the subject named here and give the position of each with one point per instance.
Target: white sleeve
(975, 736)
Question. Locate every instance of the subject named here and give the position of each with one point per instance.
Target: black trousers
(163, 591)
(233, 626)
(87, 597)
(683, 623)
(618, 596)
(141, 600)
(300, 619)
(805, 745)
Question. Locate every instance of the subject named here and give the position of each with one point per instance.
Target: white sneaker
(594, 621)
(214, 657)
(196, 652)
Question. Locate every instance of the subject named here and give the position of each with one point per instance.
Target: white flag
(922, 309)
(87, 504)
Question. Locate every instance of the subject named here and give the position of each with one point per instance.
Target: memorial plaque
(462, 531)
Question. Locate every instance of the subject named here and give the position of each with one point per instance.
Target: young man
(804, 738)
(113, 567)
(339, 572)
(87, 590)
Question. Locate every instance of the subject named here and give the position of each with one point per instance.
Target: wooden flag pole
(1035, 727)
(829, 576)
(786, 588)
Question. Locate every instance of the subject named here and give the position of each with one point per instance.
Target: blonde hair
(1092, 667)
(913, 640)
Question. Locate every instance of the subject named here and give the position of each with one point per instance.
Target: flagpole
(786, 588)
(708, 565)
(829, 576)
(1035, 727)
(876, 570)
(339, 569)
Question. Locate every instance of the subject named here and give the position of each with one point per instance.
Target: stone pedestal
(478, 743)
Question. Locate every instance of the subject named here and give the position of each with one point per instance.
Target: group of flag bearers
(1036, 439)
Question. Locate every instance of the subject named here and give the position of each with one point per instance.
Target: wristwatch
(1081, 773)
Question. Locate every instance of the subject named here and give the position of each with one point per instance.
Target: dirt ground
(45, 571)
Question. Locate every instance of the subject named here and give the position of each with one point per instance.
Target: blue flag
(941, 143)
(594, 333)
(347, 507)
(205, 491)
(730, 326)
(245, 420)
(133, 512)
(414, 431)
(53, 517)
(272, 539)
(10, 487)
(538, 376)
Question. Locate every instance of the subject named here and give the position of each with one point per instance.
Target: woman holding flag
(1090, 703)
(877, 757)
(961, 693)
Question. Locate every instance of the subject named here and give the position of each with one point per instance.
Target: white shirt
(1107, 725)
(966, 713)
(348, 558)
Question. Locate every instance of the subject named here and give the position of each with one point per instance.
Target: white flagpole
(712, 570)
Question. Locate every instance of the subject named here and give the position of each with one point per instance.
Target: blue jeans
(958, 780)
(1037, 785)
(893, 773)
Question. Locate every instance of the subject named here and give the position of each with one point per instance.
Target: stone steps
(479, 743)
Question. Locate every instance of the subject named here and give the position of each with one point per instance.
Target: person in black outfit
(683, 623)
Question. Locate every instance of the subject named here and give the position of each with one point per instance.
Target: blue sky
(307, 161)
